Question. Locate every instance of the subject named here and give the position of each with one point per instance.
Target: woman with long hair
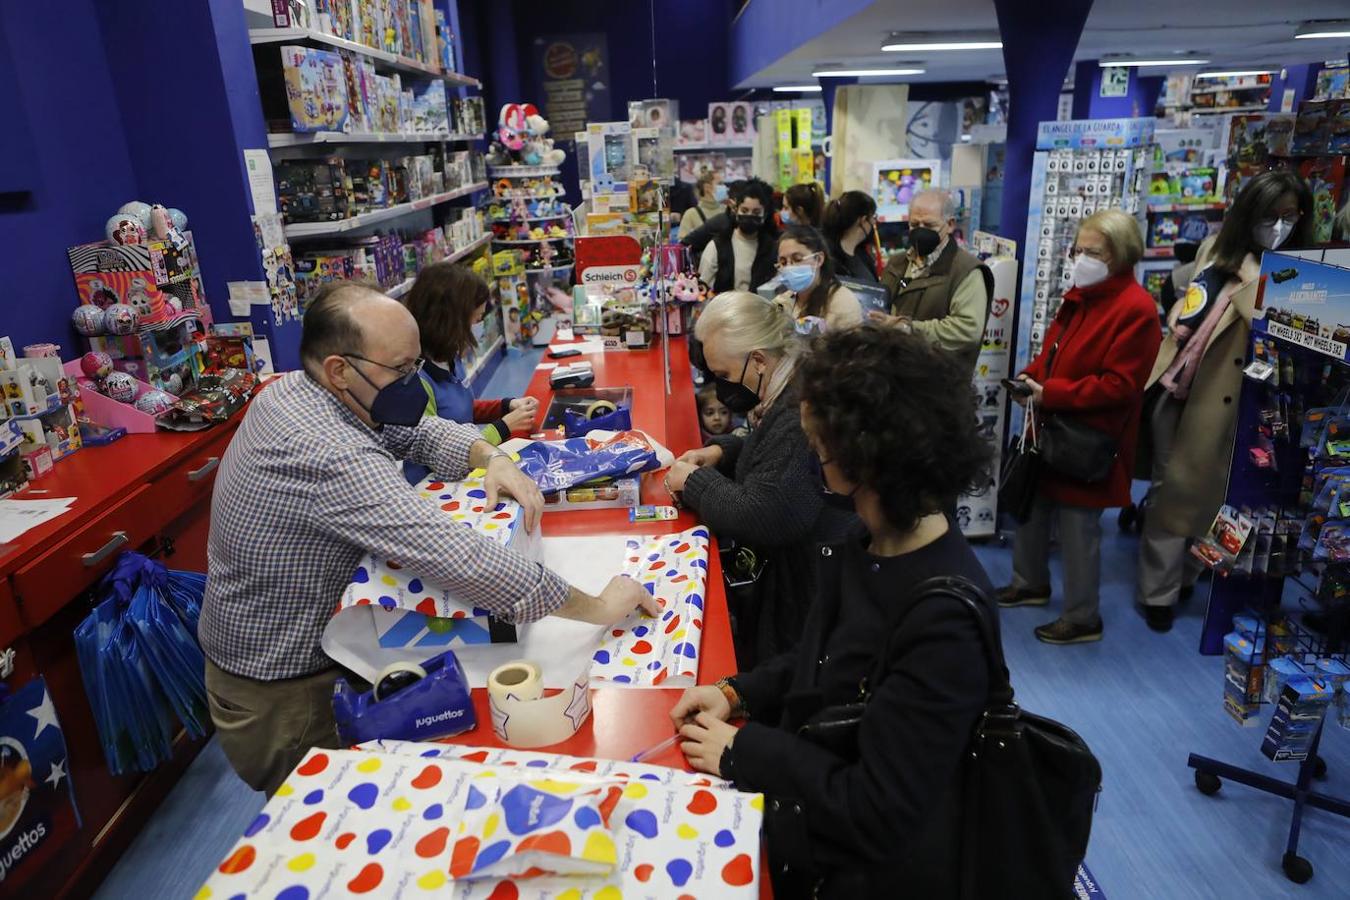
(807, 272)
(848, 225)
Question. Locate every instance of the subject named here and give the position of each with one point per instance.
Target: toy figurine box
(617, 493)
(159, 281)
(316, 89)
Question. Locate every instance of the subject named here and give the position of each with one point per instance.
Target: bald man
(311, 483)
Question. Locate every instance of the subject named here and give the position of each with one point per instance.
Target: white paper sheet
(18, 516)
(259, 167)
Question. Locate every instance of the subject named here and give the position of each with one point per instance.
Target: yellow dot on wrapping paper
(203, 894)
(458, 517)
(635, 791)
(569, 894)
(600, 848)
(462, 827)
(431, 880)
(757, 802)
(389, 580)
(401, 805)
(688, 832)
(369, 765)
(489, 526)
(490, 826)
(609, 892)
(301, 863)
(554, 787)
(486, 773)
(285, 790)
(677, 635)
(629, 661)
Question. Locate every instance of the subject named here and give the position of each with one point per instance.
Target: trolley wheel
(1127, 518)
(1296, 868)
(1207, 783)
(1319, 767)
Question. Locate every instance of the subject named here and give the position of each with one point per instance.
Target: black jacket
(703, 235)
(857, 264)
(767, 496)
(887, 824)
(764, 267)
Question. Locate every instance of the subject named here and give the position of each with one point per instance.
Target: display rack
(302, 230)
(291, 139)
(379, 57)
(404, 286)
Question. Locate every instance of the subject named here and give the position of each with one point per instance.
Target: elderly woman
(759, 491)
(1091, 372)
(882, 817)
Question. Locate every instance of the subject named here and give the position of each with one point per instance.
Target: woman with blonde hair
(760, 492)
(1090, 375)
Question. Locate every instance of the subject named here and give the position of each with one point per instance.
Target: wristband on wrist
(737, 703)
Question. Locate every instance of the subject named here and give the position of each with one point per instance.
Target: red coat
(1108, 337)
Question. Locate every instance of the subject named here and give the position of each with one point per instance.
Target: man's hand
(619, 598)
(504, 477)
(702, 457)
(705, 739)
(886, 320)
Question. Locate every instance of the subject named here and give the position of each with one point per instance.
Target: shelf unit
(380, 57)
(1209, 111)
(530, 241)
(406, 284)
(301, 230)
(292, 139)
(1159, 253)
(522, 171)
(1186, 207)
(497, 346)
(705, 147)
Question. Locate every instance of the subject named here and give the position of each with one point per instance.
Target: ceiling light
(796, 88)
(1235, 74)
(1340, 29)
(862, 73)
(939, 46)
(1182, 61)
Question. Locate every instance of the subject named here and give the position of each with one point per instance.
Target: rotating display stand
(532, 248)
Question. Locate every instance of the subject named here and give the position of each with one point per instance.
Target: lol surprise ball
(137, 210)
(179, 218)
(96, 365)
(125, 229)
(120, 386)
(154, 403)
(87, 319)
(119, 319)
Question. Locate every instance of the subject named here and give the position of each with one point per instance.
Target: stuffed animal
(512, 125)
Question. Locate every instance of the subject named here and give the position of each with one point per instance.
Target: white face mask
(1272, 234)
(1088, 271)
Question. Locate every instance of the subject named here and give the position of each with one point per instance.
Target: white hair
(746, 322)
(945, 201)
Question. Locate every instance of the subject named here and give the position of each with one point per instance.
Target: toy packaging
(316, 89)
(719, 123)
(618, 493)
(1298, 718)
(1325, 176)
(1244, 677)
(1312, 129)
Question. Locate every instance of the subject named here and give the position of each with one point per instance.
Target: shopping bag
(1020, 476)
(172, 656)
(576, 424)
(558, 465)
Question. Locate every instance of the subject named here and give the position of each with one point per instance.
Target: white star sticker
(45, 714)
(58, 772)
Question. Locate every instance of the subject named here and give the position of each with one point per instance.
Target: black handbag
(1073, 449)
(1020, 475)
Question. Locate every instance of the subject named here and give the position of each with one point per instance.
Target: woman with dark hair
(449, 302)
(845, 822)
(1190, 413)
(803, 204)
(807, 272)
(741, 259)
(848, 224)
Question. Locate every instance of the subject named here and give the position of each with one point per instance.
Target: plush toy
(125, 229)
(120, 386)
(689, 289)
(540, 150)
(119, 319)
(96, 365)
(154, 402)
(512, 124)
(87, 319)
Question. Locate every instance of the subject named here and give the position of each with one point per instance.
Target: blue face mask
(786, 216)
(720, 193)
(799, 277)
(478, 329)
(401, 402)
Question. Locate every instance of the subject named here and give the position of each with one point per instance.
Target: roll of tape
(396, 676)
(600, 408)
(523, 717)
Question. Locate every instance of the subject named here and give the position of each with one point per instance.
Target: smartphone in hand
(1016, 388)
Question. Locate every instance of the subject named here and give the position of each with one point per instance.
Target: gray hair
(748, 322)
(944, 199)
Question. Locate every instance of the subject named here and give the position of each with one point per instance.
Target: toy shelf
(1213, 110)
(523, 171)
(546, 240)
(559, 267)
(507, 220)
(481, 361)
(323, 229)
(389, 60)
(404, 286)
(1231, 89)
(1159, 253)
(1186, 207)
(700, 148)
(292, 139)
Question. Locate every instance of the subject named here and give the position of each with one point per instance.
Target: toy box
(57, 430)
(742, 124)
(316, 89)
(1244, 677)
(314, 190)
(1325, 176)
(33, 464)
(618, 493)
(36, 386)
(1312, 129)
(1297, 719)
(719, 123)
(1338, 127)
(470, 115)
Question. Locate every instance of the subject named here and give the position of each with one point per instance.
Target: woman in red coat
(1095, 363)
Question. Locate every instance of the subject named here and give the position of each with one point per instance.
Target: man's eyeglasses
(405, 373)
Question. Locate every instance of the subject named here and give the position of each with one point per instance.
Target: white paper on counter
(18, 516)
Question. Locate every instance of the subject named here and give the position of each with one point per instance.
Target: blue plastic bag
(558, 465)
(576, 424)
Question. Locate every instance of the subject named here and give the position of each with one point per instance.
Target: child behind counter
(714, 419)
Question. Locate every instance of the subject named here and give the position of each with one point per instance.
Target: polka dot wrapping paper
(427, 820)
(390, 614)
(663, 651)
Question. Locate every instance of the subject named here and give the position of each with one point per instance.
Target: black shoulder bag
(1072, 448)
(1031, 783)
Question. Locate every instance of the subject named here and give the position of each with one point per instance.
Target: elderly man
(310, 483)
(937, 289)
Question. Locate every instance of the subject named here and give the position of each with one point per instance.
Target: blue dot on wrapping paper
(433, 812)
(490, 854)
(640, 631)
(430, 753)
(699, 563)
(537, 763)
(526, 810)
(601, 656)
(643, 821)
(651, 777)
(475, 799)
(415, 585)
(378, 839)
(666, 617)
(655, 664)
(257, 825)
(447, 496)
(651, 587)
(622, 679)
(724, 838)
(478, 493)
(632, 545)
(499, 507)
(388, 603)
(700, 533)
(654, 557)
(684, 648)
(674, 543)
(364, 795)
(294, 892)
(679, 871)
(361, 576)
(313, 797)
(586, 817)
(694, 600)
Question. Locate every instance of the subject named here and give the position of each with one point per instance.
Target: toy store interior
(452, 447)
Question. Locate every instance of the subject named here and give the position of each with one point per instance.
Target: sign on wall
(572, 79)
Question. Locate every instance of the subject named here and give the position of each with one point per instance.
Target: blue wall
(1139, 101)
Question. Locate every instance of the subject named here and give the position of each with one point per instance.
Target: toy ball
(178, 217)
(96, 364)
(154, 403)
(87, 319)
(125, 229)
(137, 210)
(119, 319)
(173, 383)
(120, 386)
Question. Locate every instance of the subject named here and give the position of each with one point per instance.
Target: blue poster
(1304, 302)
(37, 805)
(572, 82)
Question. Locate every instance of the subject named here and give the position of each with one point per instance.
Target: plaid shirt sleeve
(366, 502)
(439, 444)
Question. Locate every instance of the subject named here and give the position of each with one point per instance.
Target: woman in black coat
(884, 820)
(759, 491)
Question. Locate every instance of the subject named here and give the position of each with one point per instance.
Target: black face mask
(749, 224)
(924, 240)
(736, 396)
(841, 502)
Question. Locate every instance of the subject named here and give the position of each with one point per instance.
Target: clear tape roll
(523, 717)
(600, 408)
(382, 690)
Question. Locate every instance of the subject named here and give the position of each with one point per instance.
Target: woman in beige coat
(1190, 412)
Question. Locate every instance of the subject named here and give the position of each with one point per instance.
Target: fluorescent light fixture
(1235, 74)
(1307, 30)
(796, 88)
(939, 46)
(1181, 61)
(863, 73)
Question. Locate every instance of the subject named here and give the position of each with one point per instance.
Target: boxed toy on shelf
(316, 89)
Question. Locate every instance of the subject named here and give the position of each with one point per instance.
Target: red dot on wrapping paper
(702, 803)
(307, 827)
(660, 676)
(656, 565)
(507, 762)
(391, 564)
(643, 872)
(314, 765)
(686, 897)
(459, 614)
(502, 515)
(552, 842)
(461, 860)
(673, 624)
(697, 623)
(436, 485)
(344, 839)
(451, 506)
(641, 647)
(432, 844)
(607, 805)
(586, 766)
(427, 607)
(477, 756)
(533, 872)
(478, 509)
(367, 880)
(427, 778)
(617, 632)
(678, 578)
(738, 871)
(681, 548)
(632, 559)
(507, 890)
(239, 860)
(364, 601)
